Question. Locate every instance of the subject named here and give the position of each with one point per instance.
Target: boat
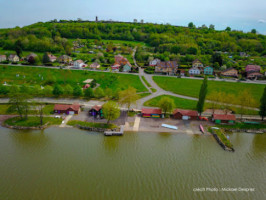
(169, 126)
(201, 128)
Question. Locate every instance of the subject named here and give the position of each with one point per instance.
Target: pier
(111, 133)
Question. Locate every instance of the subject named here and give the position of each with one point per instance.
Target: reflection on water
(60, 163)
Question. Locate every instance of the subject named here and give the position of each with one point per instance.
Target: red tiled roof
(97, 107)
(168, 64)
(151, 111)
(253, 68)
(191, 113)
(86, 86)
(74, 107)
(224, 117)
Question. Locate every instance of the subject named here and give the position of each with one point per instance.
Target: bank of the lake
(68, 163)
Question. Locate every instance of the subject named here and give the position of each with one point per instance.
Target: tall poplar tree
(202, 95)
(262, 111)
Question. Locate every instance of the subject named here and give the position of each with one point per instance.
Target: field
(190, 104)
(190, 87)
(43, 76)
(4, 110)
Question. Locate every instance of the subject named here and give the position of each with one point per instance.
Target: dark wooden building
(185, 114)
(67, 109)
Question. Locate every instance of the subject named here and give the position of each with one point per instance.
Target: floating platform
(111, 133)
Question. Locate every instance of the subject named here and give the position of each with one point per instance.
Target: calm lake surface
(60, 163)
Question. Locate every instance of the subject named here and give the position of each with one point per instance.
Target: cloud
(262, 21)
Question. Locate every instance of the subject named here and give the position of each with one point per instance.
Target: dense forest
(53, 37)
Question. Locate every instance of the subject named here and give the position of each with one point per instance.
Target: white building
(78, 64)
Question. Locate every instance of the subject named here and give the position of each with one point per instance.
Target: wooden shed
(67, 109)
(185, 114)
(224, 119)
(151, 112)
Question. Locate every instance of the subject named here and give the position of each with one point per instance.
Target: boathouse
(185, 114)
(150, 112)
(224, 119)
(67, 109)
(96, 111)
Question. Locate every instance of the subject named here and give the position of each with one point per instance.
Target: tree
(211, 27)
(57, 91)
(166, 104)
(4, 90)
(215, 98)
(45, 58)
(77, 91)
(202, 95)
(40, 106)
(47, 91)
(228, 29)
(88, 92)
(111, 111)
(109, 93)
(244, 100)
(17, 101)
(254, 31)
(18, 48)
(191, 25)
(128, 97)
(68, 90)
(262, 111)
(98, 93)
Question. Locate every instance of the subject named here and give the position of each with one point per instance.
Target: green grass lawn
(243, 126)
(4, 110)
(190, 87)
(222, 137)
(145, 81)
(90, 124)
(190, 104)
(32, 121)
(39, 76)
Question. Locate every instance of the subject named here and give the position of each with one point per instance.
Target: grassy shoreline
(32, 121)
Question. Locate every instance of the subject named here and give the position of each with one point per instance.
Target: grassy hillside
(191, 87)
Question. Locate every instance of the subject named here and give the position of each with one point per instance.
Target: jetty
(111, 133)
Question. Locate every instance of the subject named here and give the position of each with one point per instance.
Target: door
(185, 117)
(71, 112)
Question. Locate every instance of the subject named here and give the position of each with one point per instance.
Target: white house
(154, 62)
(2, 58)
(78, 64)
(194, 71)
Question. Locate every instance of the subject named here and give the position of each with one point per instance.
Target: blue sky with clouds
(238, 14)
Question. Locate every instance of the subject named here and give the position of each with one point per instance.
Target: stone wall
(94, 129)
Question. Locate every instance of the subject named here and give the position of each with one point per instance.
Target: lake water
(60, 163)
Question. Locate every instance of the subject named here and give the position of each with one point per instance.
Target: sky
(238, 14)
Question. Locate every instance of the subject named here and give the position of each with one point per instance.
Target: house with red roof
(169, 67)
(224, 119)
(2, 58)
(254, 75)
(185, 114)
(120, 62)
(69, 109)
(151, 112)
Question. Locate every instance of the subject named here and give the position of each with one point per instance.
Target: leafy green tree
(45, 58)
(254, 31)
(68, 90)
(18, 48)
(111, 111)
(191, 25)
(262, 111)
(202, 95)
(108, 93)
(128, 97)
(77, 91)
(211, 27)
(98, 92)
(89, 92)
(48, 90)
(166, 104)
(4, 90)
(57, 91)
(228, 29)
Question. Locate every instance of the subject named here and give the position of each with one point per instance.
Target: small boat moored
(201, 128)
(169, 126)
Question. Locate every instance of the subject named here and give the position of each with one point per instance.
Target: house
(95, 65)
(86, 86)
(185, 114)
(230, 72)
(78, 64)
(227, 119)
(64, 59)
(243, 54)
(120, 61)
(197, 64)
(150, 112)
(154, 62)
(67, 109)
(254, 75)
(52, 58)
(115, 67)
(31, 56)
(126, 68)
(13, 58)
(169, 67)
(208, 70)
(96, 111)
(194, 71)
(252, 68)
(182, 73)
(2, 58)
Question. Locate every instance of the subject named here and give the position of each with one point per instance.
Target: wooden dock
(111, 133)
